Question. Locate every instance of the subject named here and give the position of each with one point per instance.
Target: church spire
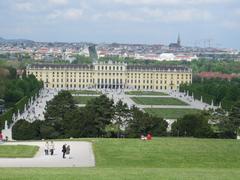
(179, 40)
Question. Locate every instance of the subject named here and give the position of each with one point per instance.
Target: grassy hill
(162, 158)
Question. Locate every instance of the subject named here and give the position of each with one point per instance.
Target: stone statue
(6, 125)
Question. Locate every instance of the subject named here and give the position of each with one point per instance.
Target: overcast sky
(124, 21)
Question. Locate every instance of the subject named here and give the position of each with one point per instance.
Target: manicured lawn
(167, 153)
(157, 101)
(171, 113)
(151, 93)
(17, 151)
(82, 99)
(119, 174)
(161, 158)
(84, 92)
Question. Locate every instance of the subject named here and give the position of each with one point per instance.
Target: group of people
(148, 137)
(66, 151)
(50, 147)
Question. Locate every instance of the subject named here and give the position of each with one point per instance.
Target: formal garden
(158, 101)
(148, 93)
(219, 91)
(171, 113)
(85, 92)
(102, 118)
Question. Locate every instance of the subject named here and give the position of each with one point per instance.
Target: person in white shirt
(46, 149)
(52, 147)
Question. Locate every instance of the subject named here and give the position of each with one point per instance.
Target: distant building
(176, 45)
(111, 75)
(93, 52)
(167, 57)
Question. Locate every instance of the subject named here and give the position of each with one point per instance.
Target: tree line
(99, 118)
(102, 118)
(15, 92)
(219, 90)
(13, 88)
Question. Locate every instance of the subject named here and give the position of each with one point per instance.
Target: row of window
(73, 80)
(109, 74)
(156, 82)
(110, 68)
(110, 81)
(83, 86)
(115, 81)
(67, 86)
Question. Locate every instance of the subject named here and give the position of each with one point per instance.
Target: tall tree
(192, 125)
(99, 113)
(234, 118)
(56, 111)
(121, 116)
(143, 123)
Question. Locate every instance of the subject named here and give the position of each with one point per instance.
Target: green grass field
(171, 113)
(157, 101)
(82, 99)
(161, 158)
(85, 92)
(151, 93)
(17, 151)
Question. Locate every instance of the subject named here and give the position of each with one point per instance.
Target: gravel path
(81, 156)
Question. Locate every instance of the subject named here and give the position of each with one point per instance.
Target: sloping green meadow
(161, 158)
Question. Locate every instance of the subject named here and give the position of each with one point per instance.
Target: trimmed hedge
(7, 116)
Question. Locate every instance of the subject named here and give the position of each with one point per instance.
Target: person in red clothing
(149, 136)
(1, 136)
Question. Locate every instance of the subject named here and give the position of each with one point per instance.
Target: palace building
(110, 75)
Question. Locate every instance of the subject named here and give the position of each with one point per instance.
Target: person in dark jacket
(64, 149)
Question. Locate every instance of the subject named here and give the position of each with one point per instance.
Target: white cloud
(232, 25)
(69, 14)
(183, 15)
(158, 15)
(58, 2)
(170, 2)
(118, 15)
(54, 15)
(73, 14)
(237, 12)
(24, 6)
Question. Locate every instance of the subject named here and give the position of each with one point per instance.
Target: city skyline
(123, 21)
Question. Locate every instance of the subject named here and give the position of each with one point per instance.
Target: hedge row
(19, 106)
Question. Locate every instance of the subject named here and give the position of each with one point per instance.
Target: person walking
(46, 149)
(68, 151)
(52, 147)
(64, 149)
(1, 137)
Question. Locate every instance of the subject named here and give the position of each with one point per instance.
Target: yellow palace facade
(109, 75)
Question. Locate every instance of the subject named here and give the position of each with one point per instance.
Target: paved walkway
(150, 96)
(35, 109)
(81, 156)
